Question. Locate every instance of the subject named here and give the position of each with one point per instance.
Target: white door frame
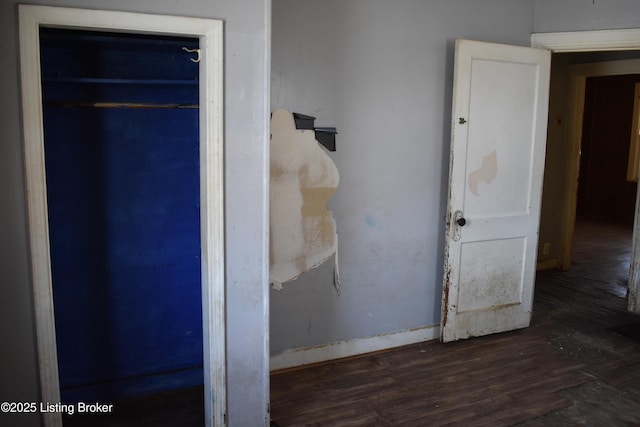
(210, 34)
(589, 41)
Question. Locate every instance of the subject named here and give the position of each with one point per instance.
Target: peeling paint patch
(486, 173)
(303, 178)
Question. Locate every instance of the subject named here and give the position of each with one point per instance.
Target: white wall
(380, 71)
(246, 123)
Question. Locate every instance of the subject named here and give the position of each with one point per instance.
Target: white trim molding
(210, 35)
(340, 349)
(588, 41)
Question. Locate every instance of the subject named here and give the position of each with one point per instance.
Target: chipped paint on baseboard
(340, 349)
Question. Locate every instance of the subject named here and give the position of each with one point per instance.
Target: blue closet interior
(123, 194)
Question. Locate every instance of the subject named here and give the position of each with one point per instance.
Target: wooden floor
(578, 364)
(571, 367)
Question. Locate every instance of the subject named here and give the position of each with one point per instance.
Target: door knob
(461, 222)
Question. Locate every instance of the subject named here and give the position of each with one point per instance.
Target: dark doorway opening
(122, 163)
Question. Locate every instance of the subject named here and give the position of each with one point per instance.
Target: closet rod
(116, 105)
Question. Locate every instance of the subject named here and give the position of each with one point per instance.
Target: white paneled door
(500, 101)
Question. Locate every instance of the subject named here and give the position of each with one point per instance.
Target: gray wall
(381, 72)
(246, 109)
(582, 15)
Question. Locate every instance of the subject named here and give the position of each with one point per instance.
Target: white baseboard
(337, 350)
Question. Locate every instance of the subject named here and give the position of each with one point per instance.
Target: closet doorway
(206, 244)
(122, 171)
